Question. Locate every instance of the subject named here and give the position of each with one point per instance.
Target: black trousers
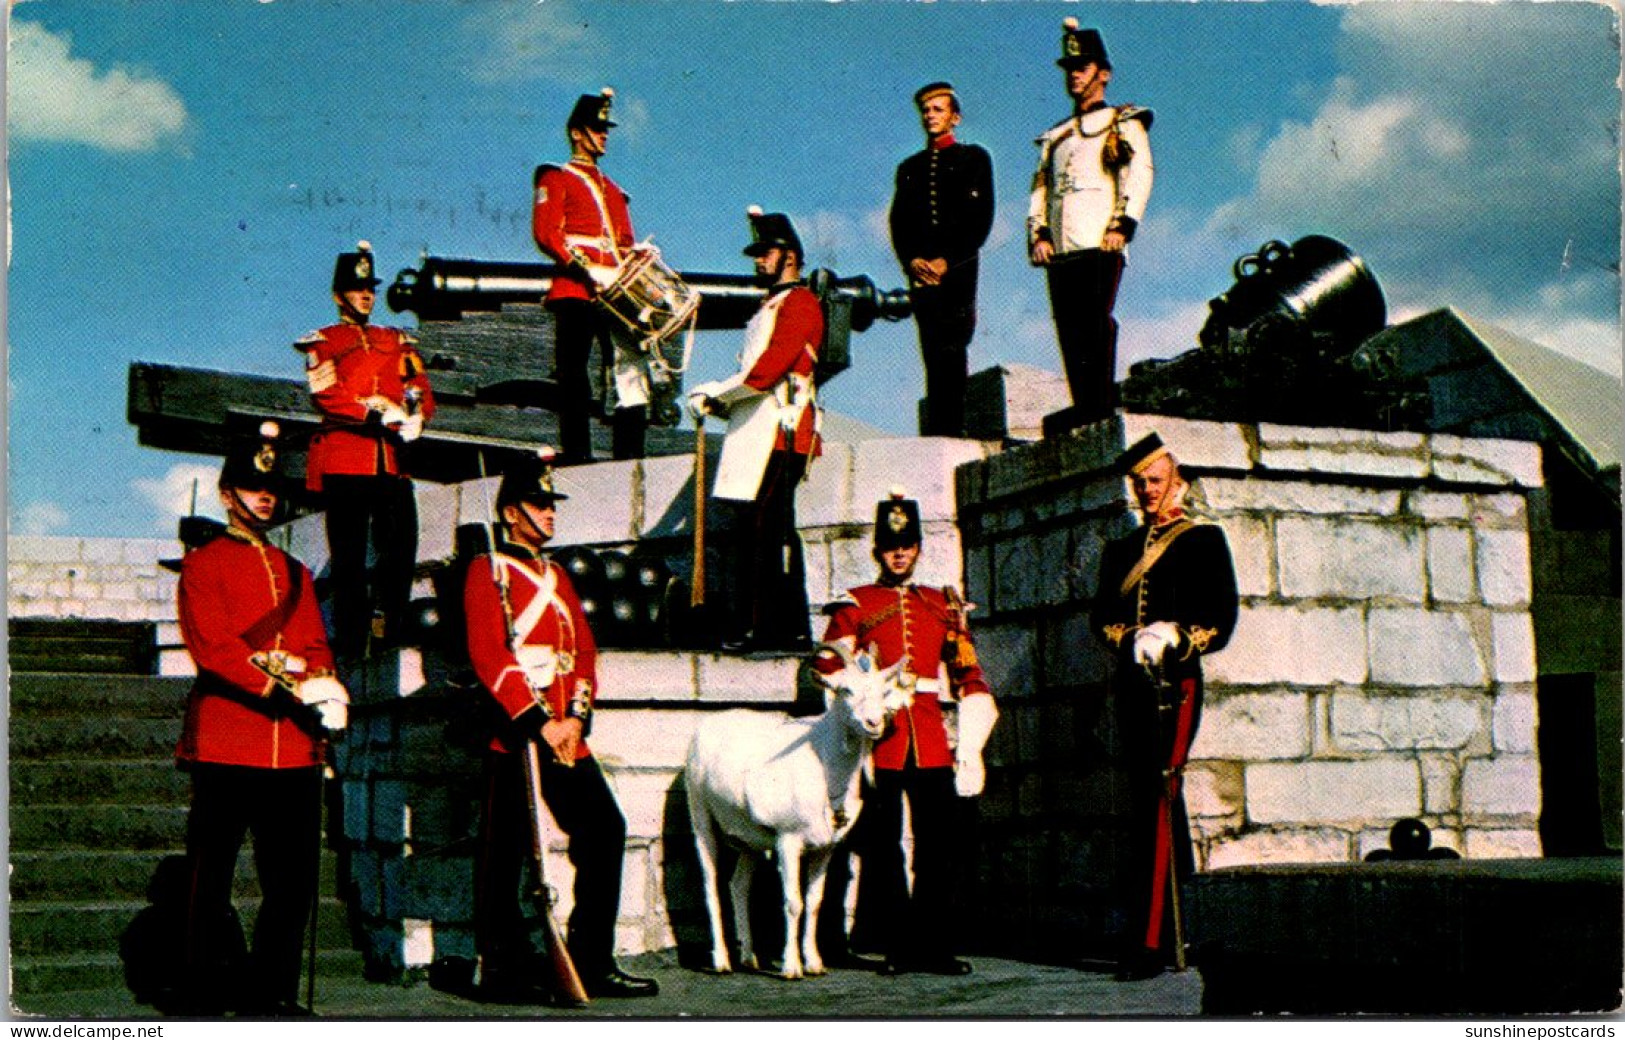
(917, 925)
(377, 517)
(507, 914)
(1158, 728)
(767, 598)
(577, 325)
(281, 809)
(945, 315)
(1082, 293)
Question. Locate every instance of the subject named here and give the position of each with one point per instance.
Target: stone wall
(1383, 665)
(106, 579)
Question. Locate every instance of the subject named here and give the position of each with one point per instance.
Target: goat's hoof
(814, 970)
(718, 969)
(791, 976)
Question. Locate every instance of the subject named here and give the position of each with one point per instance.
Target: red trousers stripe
(1177, 754)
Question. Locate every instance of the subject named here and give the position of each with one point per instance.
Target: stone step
(33, 657)
(92, 737)
(103, 973)
(140, 781)
(40, 828)
(46, 645)
(95, 875)
(53, 929)
(32, 628)
(78, 694)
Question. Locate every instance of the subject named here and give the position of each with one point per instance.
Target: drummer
(581, 220)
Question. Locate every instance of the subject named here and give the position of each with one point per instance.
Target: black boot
(616, 983)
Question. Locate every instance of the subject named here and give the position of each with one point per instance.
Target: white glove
(977, 715)
(393, 416)
(334, 715)
(324, 689)
(412, 428)
(1153, 641)
(697, 397)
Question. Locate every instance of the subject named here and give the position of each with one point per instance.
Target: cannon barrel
(1317, 285)
(443, 288)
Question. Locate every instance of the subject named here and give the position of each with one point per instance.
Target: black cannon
(1284, 295)
(444, 289)
(1277, 344)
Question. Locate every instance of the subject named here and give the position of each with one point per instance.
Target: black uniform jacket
(1192, 583)
(943, 205)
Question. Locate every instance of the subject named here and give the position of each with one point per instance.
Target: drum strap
(603, 210)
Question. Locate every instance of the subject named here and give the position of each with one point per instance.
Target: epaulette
(536, 178)
(309, 340)
(1144, 115)
(408, 337)
(845, 599)
(1053, 132)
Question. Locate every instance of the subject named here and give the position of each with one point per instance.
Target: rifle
(566, 980)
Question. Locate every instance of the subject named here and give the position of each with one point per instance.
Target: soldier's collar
(943, 141)
(244, 535)
(1096, 107)
(779, 287)
(1176, 513)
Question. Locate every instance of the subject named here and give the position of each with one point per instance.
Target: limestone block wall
(107, 579)
(1383, 665)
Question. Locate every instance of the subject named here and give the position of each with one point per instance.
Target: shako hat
(1143, 453)
(897, 521)
(352, 271)
(592, 111)
(255, 464)
(769, 231)
(530, 480)
(1080, 47)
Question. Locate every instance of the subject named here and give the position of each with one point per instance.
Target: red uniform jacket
(552, 637)
(792, 351)
(239, 596)
(566, 217)
(346, 364)
(922, 625)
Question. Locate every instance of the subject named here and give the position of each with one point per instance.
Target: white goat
(768, 781)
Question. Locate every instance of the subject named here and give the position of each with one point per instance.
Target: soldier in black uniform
(941, 214)
(1166, 598)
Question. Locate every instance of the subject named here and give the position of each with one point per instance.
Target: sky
(182, 174)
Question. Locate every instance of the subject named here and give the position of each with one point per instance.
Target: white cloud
(831, 236)
(171, 494)
(543, 41)
(1162, 335)
(1458, 148)
(53, 96)
(39, 518)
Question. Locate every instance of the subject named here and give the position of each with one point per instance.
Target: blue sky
(182, 173)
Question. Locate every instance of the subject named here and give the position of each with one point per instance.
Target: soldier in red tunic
(771, 405)
(581, 220)
(256, 723)
(530, 645)
(925, 627)
(369, 384)
(1166, 598)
